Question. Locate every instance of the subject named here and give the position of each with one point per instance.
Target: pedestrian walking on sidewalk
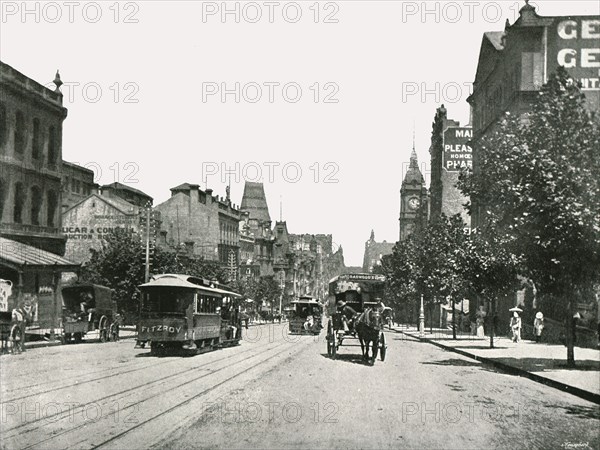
(538, 326)
(515, 326)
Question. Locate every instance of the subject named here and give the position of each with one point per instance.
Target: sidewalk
(544, 363)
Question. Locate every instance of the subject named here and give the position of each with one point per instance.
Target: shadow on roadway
(586, 412)
(462, 363)
(453, 362)
(542, 364)
(348, 358)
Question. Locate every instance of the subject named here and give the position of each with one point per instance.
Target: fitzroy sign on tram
(458, 154)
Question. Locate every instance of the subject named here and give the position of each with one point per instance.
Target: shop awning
(18, 255)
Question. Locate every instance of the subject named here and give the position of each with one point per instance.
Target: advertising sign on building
(5, 292)
(457, 153)
(574, 43)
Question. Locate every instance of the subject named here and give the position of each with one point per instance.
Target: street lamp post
(421, 319)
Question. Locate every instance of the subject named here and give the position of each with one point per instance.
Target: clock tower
(413, 198)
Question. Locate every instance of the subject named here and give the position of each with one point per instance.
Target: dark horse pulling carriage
(357, 312)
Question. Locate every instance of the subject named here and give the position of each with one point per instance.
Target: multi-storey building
(127, 193)
(254, 203)
(515, 63)
(31, 241)
(77, 184)
(374, 251)
(89, 221)
(450, 152)
(201, 224)
(31, 118)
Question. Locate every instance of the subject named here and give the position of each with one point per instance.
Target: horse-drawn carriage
(87, 307)
(306, 317)
(356, 312)
(11, 333)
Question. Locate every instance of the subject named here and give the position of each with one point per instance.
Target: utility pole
(147, 261)
(421, 319)
(282, 286)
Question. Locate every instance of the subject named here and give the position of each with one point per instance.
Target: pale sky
(139, 77)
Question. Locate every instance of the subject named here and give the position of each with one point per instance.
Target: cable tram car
(306, 316)
(182, 313)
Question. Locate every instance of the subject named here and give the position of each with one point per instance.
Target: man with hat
(348, 313)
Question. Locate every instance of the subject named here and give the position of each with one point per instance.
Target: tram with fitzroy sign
(186, 314)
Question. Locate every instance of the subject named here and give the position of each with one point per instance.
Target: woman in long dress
(515, 326)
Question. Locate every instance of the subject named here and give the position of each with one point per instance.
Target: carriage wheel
(78, 337)
(330, 340)
(383, 346)
(103, 329)
(15, 338)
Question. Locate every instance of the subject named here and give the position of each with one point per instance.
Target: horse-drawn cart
(11, 334)
(87, 307)
(356, 312)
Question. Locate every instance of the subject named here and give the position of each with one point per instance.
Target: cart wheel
(15, 338)
(103, 328)
(382, 346)
(77, 337)
(330, 340)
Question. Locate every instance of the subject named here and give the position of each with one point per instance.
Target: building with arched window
(31, 118)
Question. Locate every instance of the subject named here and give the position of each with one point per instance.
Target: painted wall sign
(457, 153)
(575, 45)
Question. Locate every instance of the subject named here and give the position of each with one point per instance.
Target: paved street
(279, 391)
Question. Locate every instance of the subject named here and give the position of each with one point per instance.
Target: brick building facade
(77, 184)
(204, 225)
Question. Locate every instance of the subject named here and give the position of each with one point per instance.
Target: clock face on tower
(414, 203)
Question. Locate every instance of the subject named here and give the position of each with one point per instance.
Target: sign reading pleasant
(457, 153)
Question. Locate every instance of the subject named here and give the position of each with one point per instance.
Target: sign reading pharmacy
(457, 154)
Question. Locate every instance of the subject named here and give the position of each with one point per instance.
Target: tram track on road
(61, 415)
(58, 420)
(188, 400)
(143, 365)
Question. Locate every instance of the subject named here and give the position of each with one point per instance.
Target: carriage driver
(348, 314)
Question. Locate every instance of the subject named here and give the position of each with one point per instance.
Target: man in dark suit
(348, 314)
